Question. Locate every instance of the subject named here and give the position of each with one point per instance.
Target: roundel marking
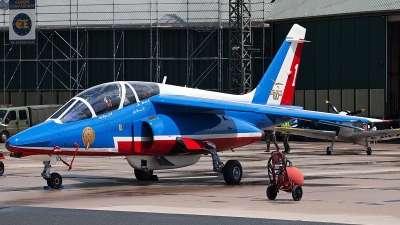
(88, 136)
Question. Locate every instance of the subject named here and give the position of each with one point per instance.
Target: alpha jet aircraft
(345, 134)
(158, 126)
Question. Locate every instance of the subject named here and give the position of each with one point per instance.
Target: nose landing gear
(54, 180)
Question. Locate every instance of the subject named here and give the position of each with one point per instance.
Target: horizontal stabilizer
(296, 40)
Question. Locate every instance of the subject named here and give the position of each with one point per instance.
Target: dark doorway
(393, 71)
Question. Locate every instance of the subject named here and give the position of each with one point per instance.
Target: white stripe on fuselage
(140, 139)
(196, 137)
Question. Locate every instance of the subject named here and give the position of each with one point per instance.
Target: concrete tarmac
(346, 187)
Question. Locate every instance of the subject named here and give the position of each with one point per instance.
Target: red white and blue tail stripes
(279, 81)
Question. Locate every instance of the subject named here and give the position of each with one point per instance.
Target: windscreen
(79, 111)
(103, 98)
(61, 111)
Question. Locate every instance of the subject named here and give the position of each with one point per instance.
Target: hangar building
(352, 59)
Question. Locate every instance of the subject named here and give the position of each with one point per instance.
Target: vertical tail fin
(279, 81)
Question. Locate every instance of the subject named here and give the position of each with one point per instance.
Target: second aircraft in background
(345, 134)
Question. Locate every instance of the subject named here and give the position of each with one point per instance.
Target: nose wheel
(55, 181)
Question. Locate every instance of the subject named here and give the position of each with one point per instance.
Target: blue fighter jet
(158, 126)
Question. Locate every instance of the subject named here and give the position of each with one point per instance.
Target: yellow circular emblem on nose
(88, 137)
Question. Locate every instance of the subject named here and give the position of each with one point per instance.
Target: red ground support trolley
(283, 176)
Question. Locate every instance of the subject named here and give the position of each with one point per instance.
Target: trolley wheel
(297, 193)
(232, 172)
(327, 151)
(368, 151)
(55, 181)
(1, 167)
(272, 192)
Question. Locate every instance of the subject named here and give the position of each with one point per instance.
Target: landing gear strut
(232, 170)
(54, 180)
(367, 148)
(329, 149)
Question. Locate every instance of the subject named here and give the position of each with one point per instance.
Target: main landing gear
(367, 148)
(232, 170)
(142, 175)
(329, 149)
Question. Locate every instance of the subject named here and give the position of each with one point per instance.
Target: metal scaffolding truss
(240, 40)
(64, 29)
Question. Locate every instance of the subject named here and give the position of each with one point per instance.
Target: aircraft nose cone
(8, 145)
(12, 141)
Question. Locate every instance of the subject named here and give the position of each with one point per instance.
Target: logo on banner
(22, 24)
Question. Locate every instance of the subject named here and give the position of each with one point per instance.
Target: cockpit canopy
(105, 98)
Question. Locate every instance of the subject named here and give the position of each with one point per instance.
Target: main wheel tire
(1, 167)
(4, 136)
(55, 181)
(232, 172)
(297, 193)
(327, 151)
(369, 151)
(272, 192)
(143, 175)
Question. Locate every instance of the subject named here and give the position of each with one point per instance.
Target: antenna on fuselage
(164, 80)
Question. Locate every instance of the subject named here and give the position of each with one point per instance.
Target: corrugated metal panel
(32, 98)
(299, 97)
(348, 99)
(377, 106)
(322, 95)
(310, 8)
(362, 101)
(348, 54)
(361, 54)
(64, 97)
(48, 98)
(18, 98)
(334, 52)
(335, 99)
(321, 60)
(307, 74)
(377, 53)
(309, 100)
(4, 98)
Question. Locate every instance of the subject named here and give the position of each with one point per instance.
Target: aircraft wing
(310, 133)
(378, 134)
(204, 104)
